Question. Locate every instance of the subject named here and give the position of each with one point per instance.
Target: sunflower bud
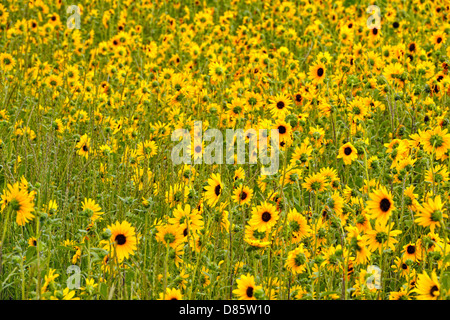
(106, 234)
(260, 295)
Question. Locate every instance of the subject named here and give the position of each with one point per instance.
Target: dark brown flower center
(347, 151)
(280, 105)
(411, 249)
(282, 129)
(374, 31)
(433, 290)
(217, 190)
(385, 204)
(266, 216)
(243, 195)
(320, 72)
(120, 239)
(249, 292)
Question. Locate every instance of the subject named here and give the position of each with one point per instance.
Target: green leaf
(30, 254)
(446, 258)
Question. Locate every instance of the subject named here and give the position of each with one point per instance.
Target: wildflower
(246, 288)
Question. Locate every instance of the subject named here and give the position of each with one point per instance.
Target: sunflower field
(92, 207)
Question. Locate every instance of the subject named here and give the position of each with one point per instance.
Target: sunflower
(90, 286)
(412, 251)
(284, 130)
(298, 225)
(317, 135)
(315, 182)
(54, 19)
(186, 220)
(331, 176)
(146, 149)
(205, 278)
(348, 153)
(32, 242)
(411, 198)
(83, 146)
(170, 234)
(72, 74)
(336, 204)
(105, 267)
(381, 238)
(431, 242)
(217, 72)
(224, 221)
(317, 72)
(66, 294)
(334, 258)
(237, 108)
(302, 155)
(177, 194)
(393, 72)
(4, 14)
(213, 190)
(198, 147)
(141, 177)
(401, 267)
(435, 140)
(319, 230)
(293, 175)
(298, 98)
(357, 109)
(381, 205)
(297, 260)
(403, 294)
(427, 288)
(358, 243)
(253, 100)
(242, 195)
(239, 174)
(256, 238)
(58, 125)
(438, 38)
(20, 201)
(264, 216)
(7, 62)
(93, 209)
(246, 288)
(280, 105)
(53, 81)
(431, 213)
(362, 221)
(195, 243)
(171, 294)
(49, 278)
(412, 47)
(374, 34)
(123, 238)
